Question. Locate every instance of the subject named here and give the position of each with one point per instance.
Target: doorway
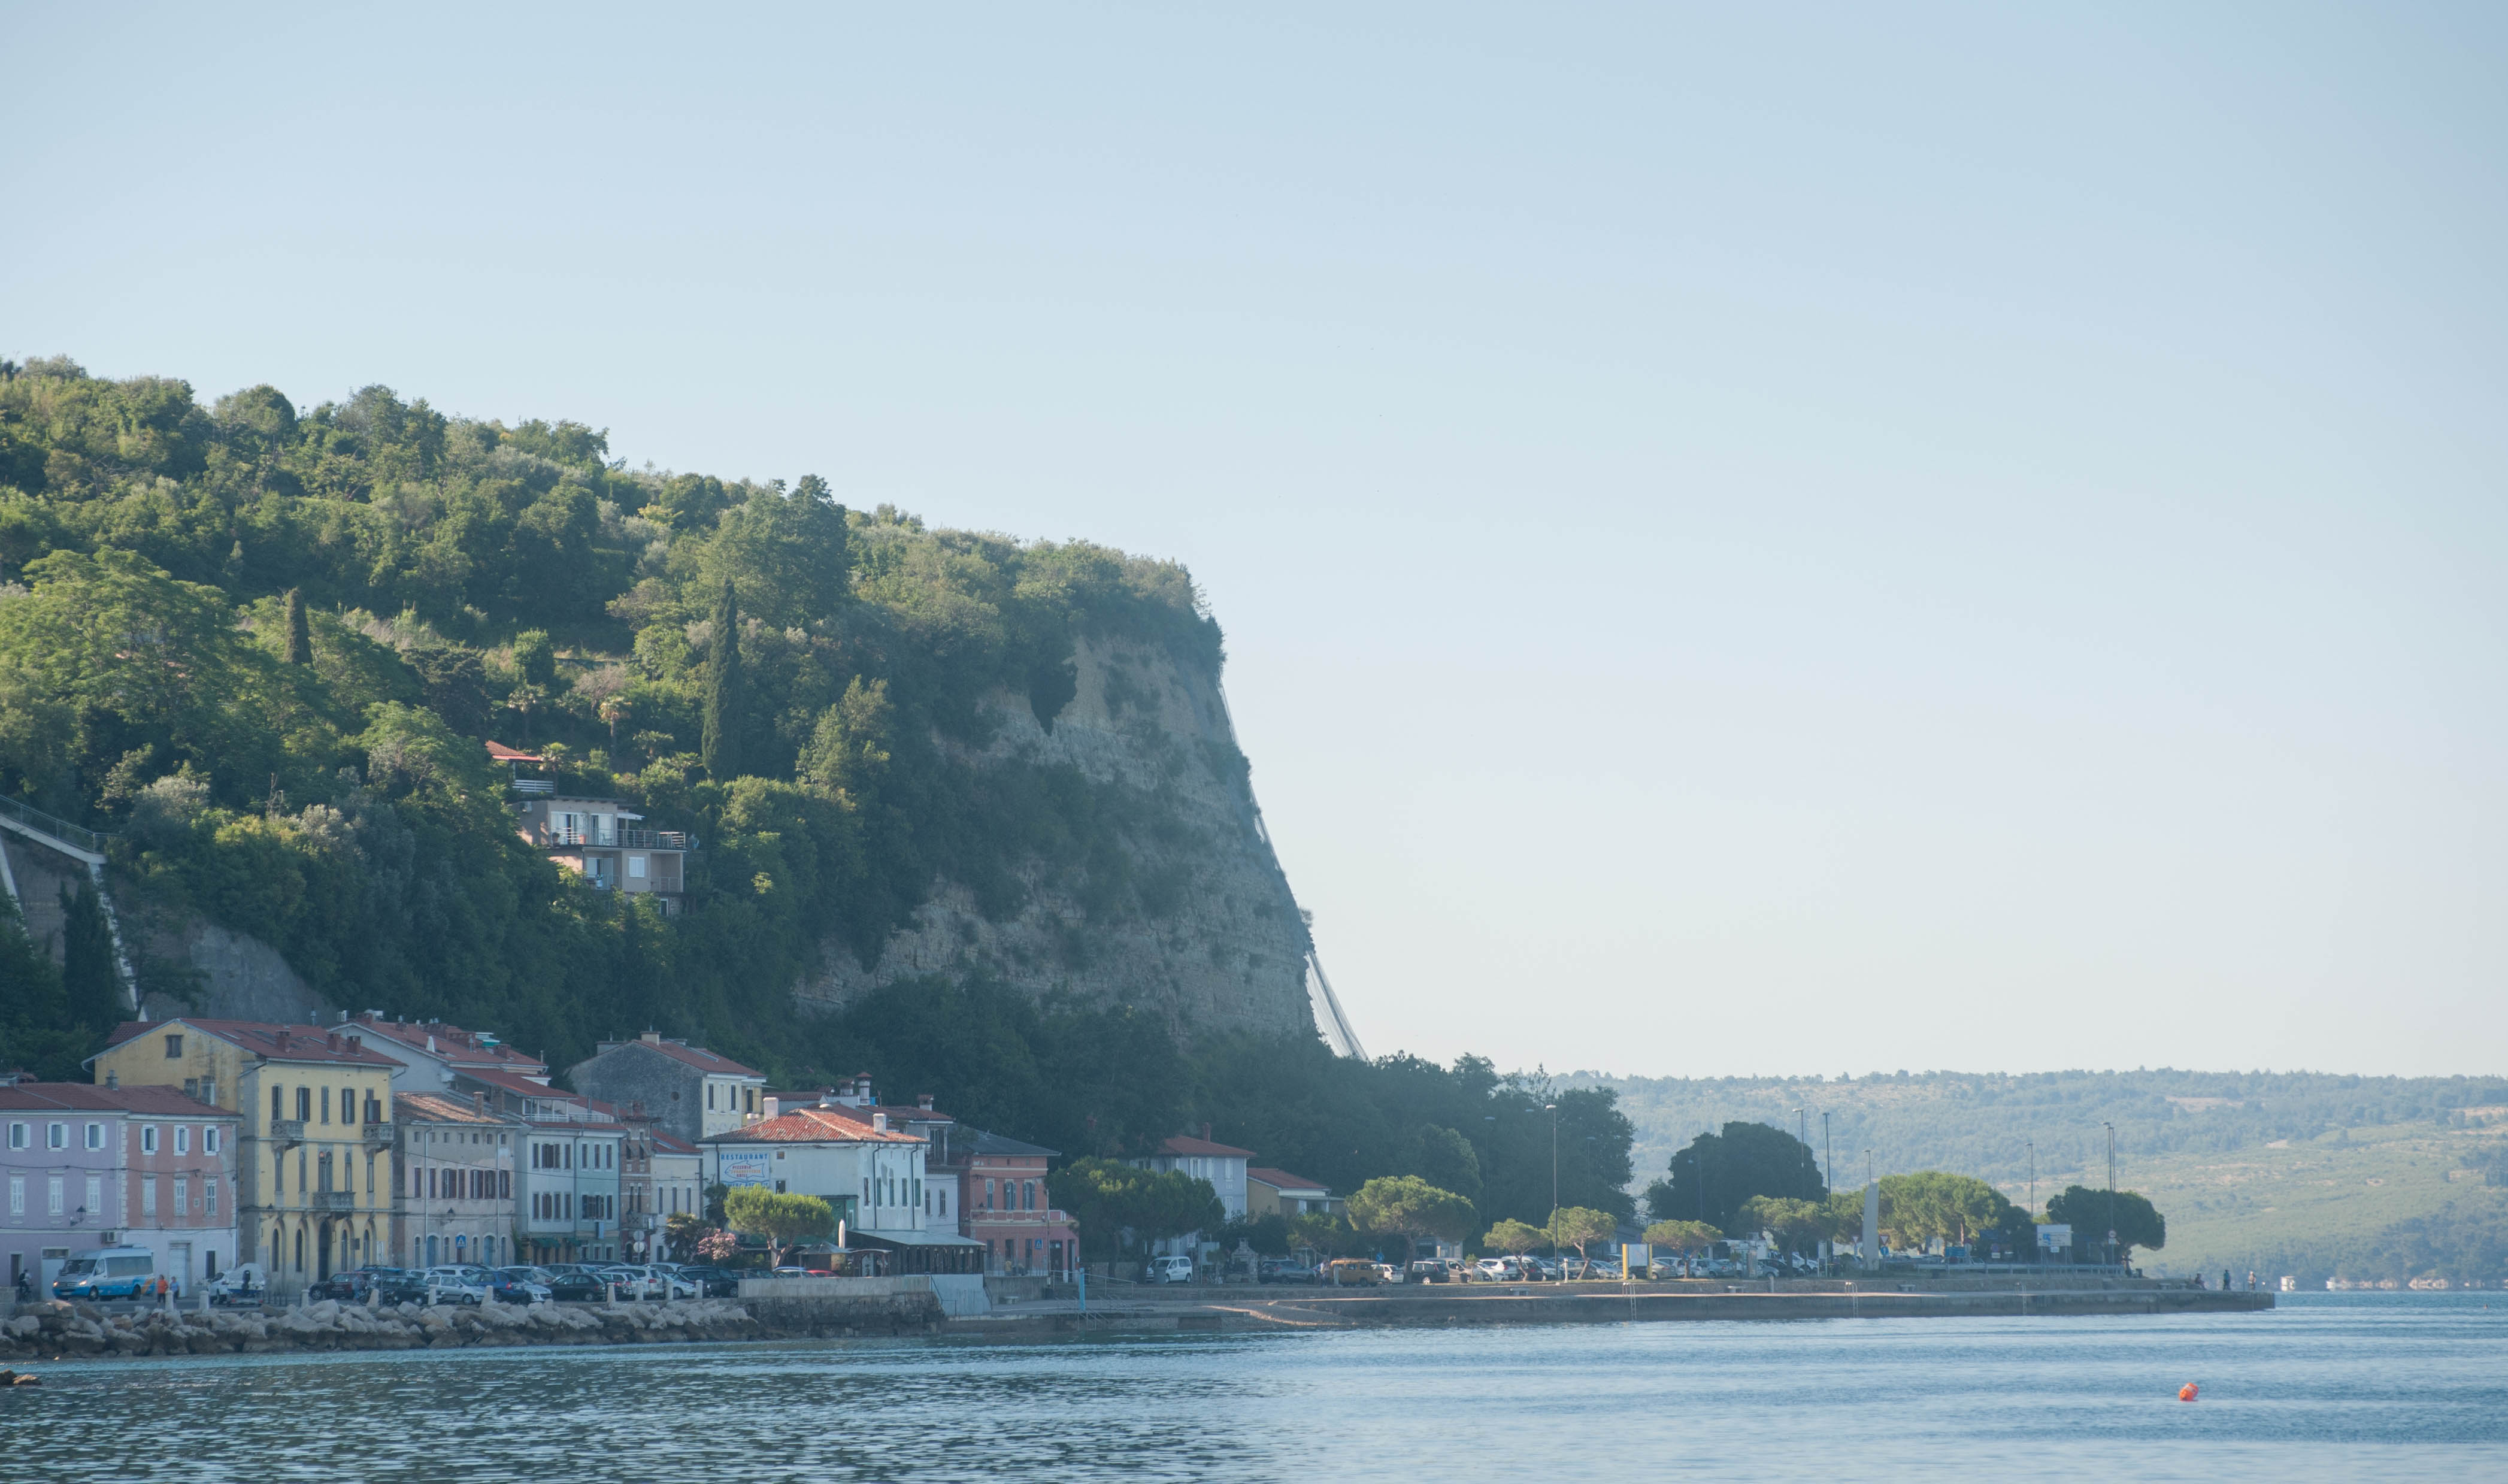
(178, 1264)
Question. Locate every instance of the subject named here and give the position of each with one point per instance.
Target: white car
(1170, 1270)
(243, 1284)
(663, 1281)
(455, 1285)
(1500, 1270)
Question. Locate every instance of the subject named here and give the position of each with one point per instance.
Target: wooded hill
(263, 645)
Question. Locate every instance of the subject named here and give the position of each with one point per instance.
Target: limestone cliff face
(1212, 939)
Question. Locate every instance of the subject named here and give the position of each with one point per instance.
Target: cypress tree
(88, 982)
(300, 637)
(723, 691)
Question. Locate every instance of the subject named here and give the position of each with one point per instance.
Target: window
(348, 1105)
(277, 1110)
(304, 1115)
(209, 1139)
(16, 1136)
(95, 1195)
(57, 1136)
(209, 1198)
(148, 1138)
(209, 1091)
(182, 1197)
(95, 1135)
(182, 1139)
(17, 1194)
(635, 868)
(505, 1185)
(326, 1105)
(56, 1194)
(708, 1096)
(173, 1048)
(1027, 1195)
(148, 1195)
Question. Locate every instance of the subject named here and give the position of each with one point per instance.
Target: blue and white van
(107, 1272)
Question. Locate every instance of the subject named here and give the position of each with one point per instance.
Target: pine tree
(88, 982)
(300, 637)
(722, 698)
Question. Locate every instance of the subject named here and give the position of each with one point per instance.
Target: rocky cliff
(1216, 941)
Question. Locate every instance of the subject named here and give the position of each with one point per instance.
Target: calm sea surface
(2328, 1387)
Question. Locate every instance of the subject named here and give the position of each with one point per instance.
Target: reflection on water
(2328, 1387)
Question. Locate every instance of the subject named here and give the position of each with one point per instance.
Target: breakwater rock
(61, 1329)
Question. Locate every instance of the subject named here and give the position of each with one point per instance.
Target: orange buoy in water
(2186, 1393)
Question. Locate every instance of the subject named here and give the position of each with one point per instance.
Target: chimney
(879, 1123)
(113, 1079)
(1205, 1132)
(332, 1039)
(430, 1043)
(652, 1038)
(282, 1038)
(479, 1103)
(923, 1101)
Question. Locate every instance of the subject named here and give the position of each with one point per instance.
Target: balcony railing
(335, 1200)
(378, 1136)
(288, 1130)
(553, 837)
(534, 786)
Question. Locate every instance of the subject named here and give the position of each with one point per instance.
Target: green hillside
(808, 689)
(2310, 1174)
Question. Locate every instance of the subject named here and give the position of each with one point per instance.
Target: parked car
(109, 1273)
(455, 1285)
(520, 1285)
(661, 1281)
(1177, 1268)
(1283, 1270)
(350, 1285)
(243, 1284)
(1501, 1270)
(1430, 1270)
(573, 1282)
(1388, 1272)
(713, 1282)
(1352, 1273)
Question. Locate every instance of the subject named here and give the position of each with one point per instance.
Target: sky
(1751, 539)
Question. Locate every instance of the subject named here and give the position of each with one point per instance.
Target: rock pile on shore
(64, 1329)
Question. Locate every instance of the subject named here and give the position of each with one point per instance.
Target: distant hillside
(2302, 1172)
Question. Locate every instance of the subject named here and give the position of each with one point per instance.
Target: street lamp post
(2111, 1234)
(1552, 1109)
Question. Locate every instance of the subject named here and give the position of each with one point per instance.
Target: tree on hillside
(723, 696)
(300, 637)
(1712, 1178)
(535, 658)
(2090, 1213)
(90, 985)
(1447, 1160)
(784, 1220)
(1410, 1207)
(1512, 1236)
(1580, 1226)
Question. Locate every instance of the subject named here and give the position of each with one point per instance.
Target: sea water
(2326, 1386)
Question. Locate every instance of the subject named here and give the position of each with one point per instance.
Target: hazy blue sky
(1749, 539)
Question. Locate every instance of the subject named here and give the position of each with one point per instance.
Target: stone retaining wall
(49, 1329)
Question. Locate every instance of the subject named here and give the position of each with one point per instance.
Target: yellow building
(316, 1167)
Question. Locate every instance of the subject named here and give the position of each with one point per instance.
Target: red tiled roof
(435, 1108)
(693, 1056)
(672, 1143)
(86, 1096)
(809, 1125)
(499, 752)
(1185, 1145)
(304, 1043)
(1281, 1179)
(453, 1044)
(514, 1082)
